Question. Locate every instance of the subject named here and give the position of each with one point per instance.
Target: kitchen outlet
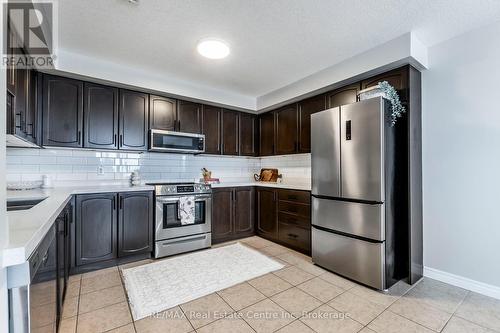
(100, 170)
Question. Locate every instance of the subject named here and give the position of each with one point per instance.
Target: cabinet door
(286, 130)
(135, 223)
(20, 101)
(222, 214)
(62, 112)
(248, 124)
(266, 128)
(134, 111)
(230, 144)
(211, 127)
(101, 116)
(11, 70)
(267, 224)
(244, 198)
(343, 96)
(306, 108)
(96, 236)
(397, 78)
(162, 113)
(32, 118)
(189, 117)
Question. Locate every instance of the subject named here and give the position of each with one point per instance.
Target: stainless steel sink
(22, 204)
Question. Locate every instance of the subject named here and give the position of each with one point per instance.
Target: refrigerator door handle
(348, 130)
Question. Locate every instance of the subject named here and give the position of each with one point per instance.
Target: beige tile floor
(301, 297)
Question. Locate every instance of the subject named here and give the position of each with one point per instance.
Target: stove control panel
(186, 189)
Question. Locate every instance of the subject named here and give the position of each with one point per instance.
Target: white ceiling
(273, 42)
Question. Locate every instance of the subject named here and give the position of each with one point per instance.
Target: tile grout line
(236, 312)
(126, 298)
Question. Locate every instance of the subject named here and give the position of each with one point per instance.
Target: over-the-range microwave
(176, 142)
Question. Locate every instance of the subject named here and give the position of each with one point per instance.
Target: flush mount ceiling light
(213, 48)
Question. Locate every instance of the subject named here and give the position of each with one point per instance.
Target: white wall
(461, 156)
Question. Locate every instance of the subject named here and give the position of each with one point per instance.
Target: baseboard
(463, 282)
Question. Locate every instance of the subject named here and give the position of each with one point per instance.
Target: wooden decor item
(268, 175)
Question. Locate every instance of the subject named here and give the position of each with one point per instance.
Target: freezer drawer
(359, 219)
(356, 259)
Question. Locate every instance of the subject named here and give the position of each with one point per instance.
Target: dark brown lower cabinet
(96, 236)
(135, 223)
(267, 203)
(284, 216)
(232, 213)
(112, 225)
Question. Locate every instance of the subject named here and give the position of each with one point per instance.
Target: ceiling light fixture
(213, 48)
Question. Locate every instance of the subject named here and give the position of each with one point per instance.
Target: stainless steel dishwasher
(33, 290)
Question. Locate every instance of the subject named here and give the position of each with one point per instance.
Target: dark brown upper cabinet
(11, 70)
(306, 108)
(397, 78)
(248, 134)
(266, 137)
(343, 96)
(133, 124)
(62, 112)
(286, 130)
(211, 127)
(101, 116)
(20, 101)
(230, 132)
(162, 113)
(189, 117)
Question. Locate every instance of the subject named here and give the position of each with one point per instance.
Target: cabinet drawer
(294, 219)
(296, 196)
(303, 210)
(295, 236)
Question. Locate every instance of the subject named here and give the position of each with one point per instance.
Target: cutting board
(268, 175)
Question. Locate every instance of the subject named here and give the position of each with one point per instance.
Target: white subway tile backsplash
(67, 166)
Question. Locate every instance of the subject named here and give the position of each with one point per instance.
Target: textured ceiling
(273, 42)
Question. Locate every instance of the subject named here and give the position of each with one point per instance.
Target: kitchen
(141, 203)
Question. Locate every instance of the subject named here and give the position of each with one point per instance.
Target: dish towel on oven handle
(186, 210)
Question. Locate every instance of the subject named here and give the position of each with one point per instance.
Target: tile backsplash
(73, 166)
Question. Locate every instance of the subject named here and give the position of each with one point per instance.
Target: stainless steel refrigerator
(355, 203)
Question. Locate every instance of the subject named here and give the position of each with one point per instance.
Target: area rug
(164, 284)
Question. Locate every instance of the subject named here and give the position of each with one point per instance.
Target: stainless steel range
(173, 237)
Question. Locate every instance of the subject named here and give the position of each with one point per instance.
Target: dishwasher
(33, 290)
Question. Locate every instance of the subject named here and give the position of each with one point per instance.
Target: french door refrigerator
(354, 197)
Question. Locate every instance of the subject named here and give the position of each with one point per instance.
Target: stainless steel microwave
(176, 142)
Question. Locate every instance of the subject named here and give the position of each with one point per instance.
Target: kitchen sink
(22, 204)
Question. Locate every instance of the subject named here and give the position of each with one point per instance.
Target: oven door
(168, 223)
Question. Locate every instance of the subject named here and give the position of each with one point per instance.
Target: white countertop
(28, 227)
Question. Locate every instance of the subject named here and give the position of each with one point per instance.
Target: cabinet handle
(15, 121)
(121, 141)
(79, 137)
(179, 125)
(121, 203)
(293, 236)
(114, 203)
(30, 126)
(114, 140)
